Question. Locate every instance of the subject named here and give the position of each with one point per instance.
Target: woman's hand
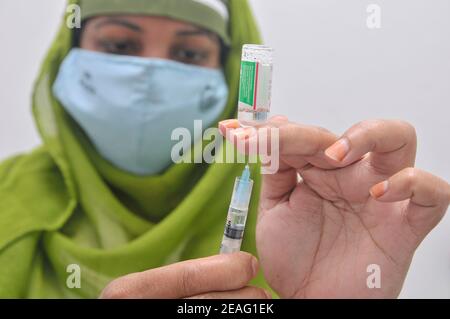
(360, 203)
(216, 277)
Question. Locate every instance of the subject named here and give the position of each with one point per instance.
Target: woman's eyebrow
(121, 22)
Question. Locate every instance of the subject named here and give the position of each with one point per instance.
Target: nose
(156, 51)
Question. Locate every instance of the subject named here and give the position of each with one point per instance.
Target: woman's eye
(190, 56)
(122, 47)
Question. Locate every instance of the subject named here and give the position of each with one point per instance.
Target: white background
(331, 70)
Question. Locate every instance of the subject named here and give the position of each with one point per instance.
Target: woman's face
(155, 37)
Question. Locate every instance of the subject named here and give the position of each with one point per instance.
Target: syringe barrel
(242, 193)
(237, 216)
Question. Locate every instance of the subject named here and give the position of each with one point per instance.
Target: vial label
(255, 85)
(247, 86)
(255, 89)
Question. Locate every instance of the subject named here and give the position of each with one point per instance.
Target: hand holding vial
(340, 204)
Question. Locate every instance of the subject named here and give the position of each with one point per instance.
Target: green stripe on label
(247, 85)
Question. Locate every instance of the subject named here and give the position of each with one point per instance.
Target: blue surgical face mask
(129, 106)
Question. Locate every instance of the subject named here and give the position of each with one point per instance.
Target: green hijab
(64, 205)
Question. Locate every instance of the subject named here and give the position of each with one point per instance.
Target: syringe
(237, 213)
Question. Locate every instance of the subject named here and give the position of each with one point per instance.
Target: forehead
(143, 22)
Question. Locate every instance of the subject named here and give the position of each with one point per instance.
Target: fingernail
(227, 124)
(255, 265)
(338, 150)
(379, 189)
(243, 133)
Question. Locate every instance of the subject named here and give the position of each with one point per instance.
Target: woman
(102, 198)
(115, 211)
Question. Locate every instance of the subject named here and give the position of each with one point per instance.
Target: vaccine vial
(255, 89)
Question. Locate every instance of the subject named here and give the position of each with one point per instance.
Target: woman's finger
(392, 145)
(193, 277)
(292, 139)
(429, 196)
(244, 293)
(233, 124)
(297, 146)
